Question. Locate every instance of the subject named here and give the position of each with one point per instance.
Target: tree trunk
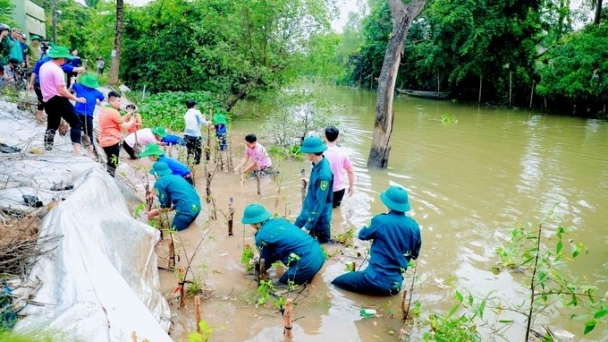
(402, 17)
(598, 12)
(115, 66)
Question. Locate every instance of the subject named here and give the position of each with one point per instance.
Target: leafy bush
(168, 109)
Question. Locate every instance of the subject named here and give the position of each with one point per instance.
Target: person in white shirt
(340, 165)
(142, 137)
(192, 134)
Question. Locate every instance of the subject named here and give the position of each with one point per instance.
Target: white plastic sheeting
(101, 282)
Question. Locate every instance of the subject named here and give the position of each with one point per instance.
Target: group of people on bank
(395, 236)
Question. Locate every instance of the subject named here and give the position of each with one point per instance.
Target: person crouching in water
(174, 193)
(156, 154)
(278, 240)
(315, 217)
(396, 240)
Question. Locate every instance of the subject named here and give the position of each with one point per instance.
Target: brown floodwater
(470, 184)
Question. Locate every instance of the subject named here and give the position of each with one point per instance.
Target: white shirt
(194, 121)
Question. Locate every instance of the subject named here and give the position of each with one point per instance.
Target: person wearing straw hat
(396, 240)
(87, 88)
(57, 98)
(174, 193)
(142, 137)
(315, 216)
(156, 154)
(279, 240)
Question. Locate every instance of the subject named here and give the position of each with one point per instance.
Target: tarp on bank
(101, 281)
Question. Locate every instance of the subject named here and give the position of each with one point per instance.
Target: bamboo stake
(354, 265)
(403, 308)
(208, 147)
(303, 174)
(480, 82)
(287, 319)
(199, 314)
(230, 216)
(171, 251)
(261, 271)
(258, 181)
(213, 209)
(510, 86)
(208, 187)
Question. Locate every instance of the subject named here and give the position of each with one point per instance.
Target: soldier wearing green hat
(174, 193)
(34, 46)
(278, 240)
(156, 154)
(315, 216)
(396, 240)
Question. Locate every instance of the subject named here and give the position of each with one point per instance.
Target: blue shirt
(24, 49)
(75, 62)
(171, 140)
(91, 95)
(176, 167)
(278, 239)
(396, 240)
(65, 67)
(316, 211)
(176, 191)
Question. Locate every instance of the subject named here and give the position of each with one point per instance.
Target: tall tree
(115, 66)
(597, 4)
(402, 16)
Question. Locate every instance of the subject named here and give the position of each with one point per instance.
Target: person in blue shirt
(279, 240)
(35, 81)
(174, 193)
(156, 154)
(315, 216)
(172, 140)
(396, 240)
(76, 62)
(87, 88)
(219, 124)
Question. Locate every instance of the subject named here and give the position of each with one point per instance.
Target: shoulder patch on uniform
(324, 185)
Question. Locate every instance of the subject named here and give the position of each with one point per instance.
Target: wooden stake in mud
(354, 265)
(229, 161)
(171, 251)
(230, 216)
(213, 210)
(199, 313)
(287, 319)
(403, 308)
(257, 176)
(193, 175)
(261, 271)
(303, 174)
(208, 147)
(208, 187)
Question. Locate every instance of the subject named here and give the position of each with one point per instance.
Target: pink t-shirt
(144, 137)
(51, 77)
(339, 163)
(259, 155)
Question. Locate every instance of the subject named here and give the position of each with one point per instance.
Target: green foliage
(265, 290)
(577, 69)
(168, 109)
(246, 257)
(345, 238)
(6, 9)
(206, 332)
(447, 118)
(454, 326)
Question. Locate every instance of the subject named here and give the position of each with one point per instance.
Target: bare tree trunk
(598, 12)
(115, 66)
(402, 16)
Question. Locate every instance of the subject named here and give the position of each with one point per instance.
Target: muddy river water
(470, 184)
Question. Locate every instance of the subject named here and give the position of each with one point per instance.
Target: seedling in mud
(204, 333)
(265, 289)
(346, 238)
(246, 257)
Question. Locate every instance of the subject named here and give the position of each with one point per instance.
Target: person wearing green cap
(174, 193)
(279, 240)
(219, 124)
(156, 154)
(87, 88)
(34, 55)
(396, 240)
(315, 216)
(57, 98)
(142, 137)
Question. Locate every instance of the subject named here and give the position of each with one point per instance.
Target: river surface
(470, 182)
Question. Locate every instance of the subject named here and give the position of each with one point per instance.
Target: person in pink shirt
(57, 98)
(340, 166)
(256, 153)
(142, 138)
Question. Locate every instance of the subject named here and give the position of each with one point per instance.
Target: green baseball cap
(152, 149)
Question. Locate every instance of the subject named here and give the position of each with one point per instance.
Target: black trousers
(87, 126)
(338, 196)
(56, 108)
(112, 153)
(129, 150)
(195, 147)
(39, 96)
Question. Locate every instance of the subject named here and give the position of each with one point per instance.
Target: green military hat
(160, 131)
(56, 52)
(160, 169)
(89, 81)
(313, 145)
(152, 149)
(396, 198)
(255, 213)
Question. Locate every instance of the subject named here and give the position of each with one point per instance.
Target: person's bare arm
(351, 180)
(65, 93)
(32, 79)
(243, 161)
